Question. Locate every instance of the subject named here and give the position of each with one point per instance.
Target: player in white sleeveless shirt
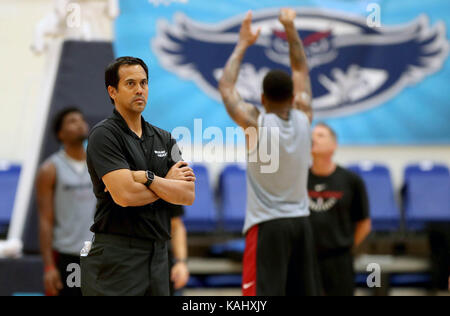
(66, 203)
(279, 257)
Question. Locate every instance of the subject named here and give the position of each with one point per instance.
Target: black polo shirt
(113, 146)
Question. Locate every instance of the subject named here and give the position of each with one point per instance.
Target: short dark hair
(278, 86)
(112, 71)
(58, 120)
(329, 128)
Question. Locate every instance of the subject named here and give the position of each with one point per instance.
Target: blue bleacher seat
(9, 178)
(384, 212)
(410, 279)
(399, 280)
(201, 217)
(233, 246)
(361, 279)
(233, 193)
(195, 282)
(426, 194)
(227, 280)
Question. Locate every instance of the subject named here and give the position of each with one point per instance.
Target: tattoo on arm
(302, 102)
(244, 114)
(308, 89)
(296, 49)
(233, 66)
(302, 83)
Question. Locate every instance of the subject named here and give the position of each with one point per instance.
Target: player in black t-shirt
(339, 214)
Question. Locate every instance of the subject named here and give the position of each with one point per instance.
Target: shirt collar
(146, 130)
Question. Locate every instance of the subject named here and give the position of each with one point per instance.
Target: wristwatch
(150, 177)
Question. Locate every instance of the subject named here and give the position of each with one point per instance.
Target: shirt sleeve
(175, 154)
(105, 152)
(360, 203)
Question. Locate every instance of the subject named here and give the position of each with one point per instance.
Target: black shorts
(63, 261)
(280, 259)
(337, 273)
(122, 266)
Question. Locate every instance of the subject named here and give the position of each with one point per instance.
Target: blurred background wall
(21, 79)
(21, 75)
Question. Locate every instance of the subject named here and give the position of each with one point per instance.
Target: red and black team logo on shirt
(321, 200)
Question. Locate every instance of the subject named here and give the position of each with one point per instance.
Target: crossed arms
(127, 187)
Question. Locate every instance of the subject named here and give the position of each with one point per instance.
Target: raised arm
(244, 114)
(300, 71)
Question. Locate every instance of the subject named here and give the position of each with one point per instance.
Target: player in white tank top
(66, 203)
(277, 227)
